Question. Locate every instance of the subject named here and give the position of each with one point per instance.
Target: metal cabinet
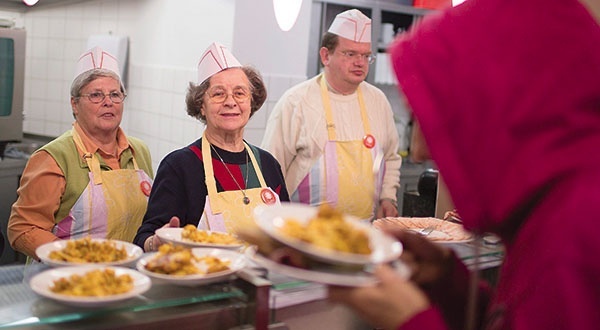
(10, 174)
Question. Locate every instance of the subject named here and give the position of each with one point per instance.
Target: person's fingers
(174, 222)
(386, 274)
(389, 303)
(428, 262)
(288, 256)
(156, 241)
(352, 296)
(420, 246)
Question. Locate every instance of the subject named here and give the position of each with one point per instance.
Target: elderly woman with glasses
(216, 182)
(91, 181)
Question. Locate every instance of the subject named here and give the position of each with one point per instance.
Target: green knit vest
(76, 170)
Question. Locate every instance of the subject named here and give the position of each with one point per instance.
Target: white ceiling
(18, 5)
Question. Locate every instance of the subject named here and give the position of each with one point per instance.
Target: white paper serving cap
(353, 25)
(97, 58)
(215, 59)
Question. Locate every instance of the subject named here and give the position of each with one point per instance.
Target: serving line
(237, 301)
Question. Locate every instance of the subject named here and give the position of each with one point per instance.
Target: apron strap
(261, 179)
(209, 173)
(211, 183)
(91, 159)
(329, 115)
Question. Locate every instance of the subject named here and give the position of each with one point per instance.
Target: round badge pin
(369, 141)
(146, 187)
(268, 197)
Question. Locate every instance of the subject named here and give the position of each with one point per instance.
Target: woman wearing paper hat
(217, 181)
(529, 176)
(91, 181)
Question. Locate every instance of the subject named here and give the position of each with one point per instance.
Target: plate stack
(317, 258)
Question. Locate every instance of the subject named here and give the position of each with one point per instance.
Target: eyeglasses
(219, 94)
(97, 97)
(353, 56)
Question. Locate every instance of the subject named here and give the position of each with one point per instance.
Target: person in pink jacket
(507, 95)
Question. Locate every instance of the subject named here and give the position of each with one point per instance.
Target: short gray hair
(87, 77)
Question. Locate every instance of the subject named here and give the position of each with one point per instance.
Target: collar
(122, 142)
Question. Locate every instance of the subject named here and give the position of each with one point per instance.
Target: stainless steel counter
(241, 302)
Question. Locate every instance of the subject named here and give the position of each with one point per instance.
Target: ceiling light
(30, 2)
(286, 13)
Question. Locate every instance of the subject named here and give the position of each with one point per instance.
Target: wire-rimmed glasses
(353, 56)
(97, 97)
(219, 94)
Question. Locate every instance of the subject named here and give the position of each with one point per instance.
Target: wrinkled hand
(386, 208)
(153, 242)
(388, 304)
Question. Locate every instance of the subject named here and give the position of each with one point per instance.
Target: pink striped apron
(112, 205)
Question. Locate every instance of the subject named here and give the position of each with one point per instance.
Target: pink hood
(506, 116)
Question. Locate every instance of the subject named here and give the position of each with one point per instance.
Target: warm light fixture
(286, 13)
(30, 2)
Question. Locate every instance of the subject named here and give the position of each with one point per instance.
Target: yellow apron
(351, 170)
(224, 211)
(111, 206)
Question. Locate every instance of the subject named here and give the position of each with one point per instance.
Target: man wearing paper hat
(334, 134)
(93, 180)
(216, 182)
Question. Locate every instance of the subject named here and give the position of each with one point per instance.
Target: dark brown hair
(330, 41)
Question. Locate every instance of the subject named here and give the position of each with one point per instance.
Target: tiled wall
(154, 108)
(157, 82)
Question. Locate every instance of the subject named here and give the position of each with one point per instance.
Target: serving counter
(252, 299)
(240, 302)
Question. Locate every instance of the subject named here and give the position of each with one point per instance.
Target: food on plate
(86, 250)
(191, 233)
(179, 260)
(214, 264)
(95, 283)
(329, 230)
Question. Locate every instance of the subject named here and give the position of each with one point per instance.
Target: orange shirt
(39, 195)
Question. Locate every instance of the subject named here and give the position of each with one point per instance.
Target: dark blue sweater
(179, 188)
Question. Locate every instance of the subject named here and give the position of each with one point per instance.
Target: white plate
(237, 262)
(271, 218)
(134, 252)
(42, 282)
(445, 232)
(173, 235)
(323, 276)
